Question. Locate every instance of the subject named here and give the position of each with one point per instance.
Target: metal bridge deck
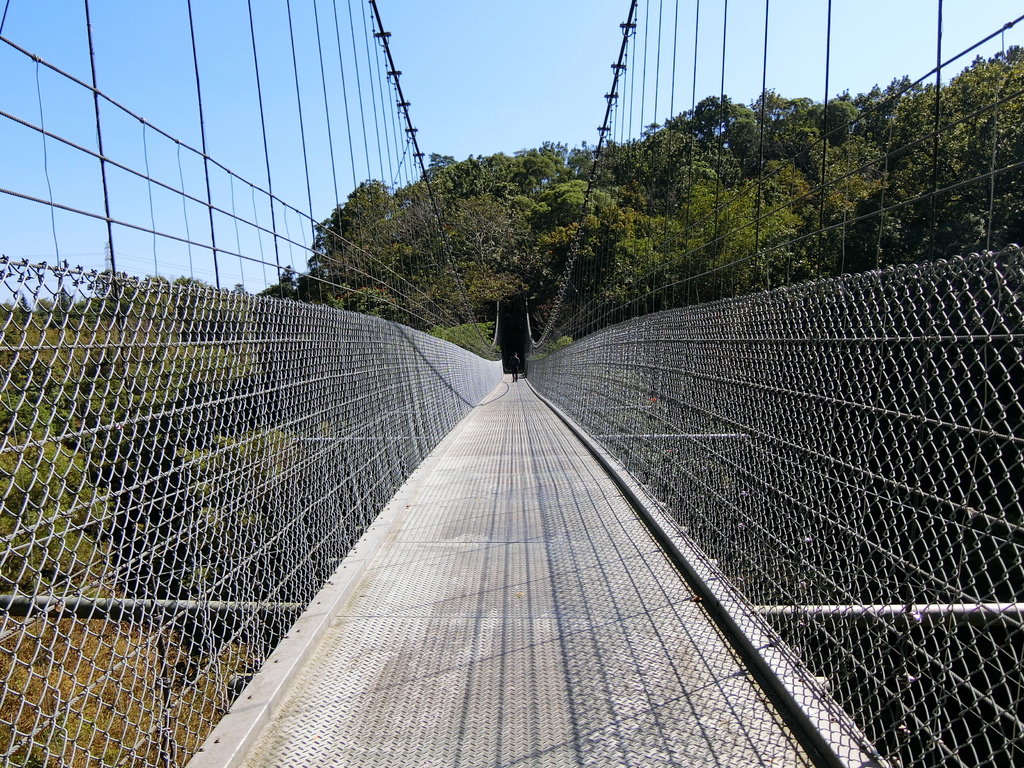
(519, 614)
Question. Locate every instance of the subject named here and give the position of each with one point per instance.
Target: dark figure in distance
(514, 364)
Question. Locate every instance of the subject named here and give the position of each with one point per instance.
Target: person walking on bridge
(514, 364)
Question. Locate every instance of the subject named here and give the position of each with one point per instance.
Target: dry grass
(79, 693)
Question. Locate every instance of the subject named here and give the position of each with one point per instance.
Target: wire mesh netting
(848, 454)
(181, 470)
(731, 195)
(236, 198)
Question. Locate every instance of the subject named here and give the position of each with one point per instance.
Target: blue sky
(482, 77)
(496, 76)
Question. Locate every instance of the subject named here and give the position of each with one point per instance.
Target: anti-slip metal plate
(520, 615)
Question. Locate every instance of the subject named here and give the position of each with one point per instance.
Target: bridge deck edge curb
(839, 741)
(232, 739)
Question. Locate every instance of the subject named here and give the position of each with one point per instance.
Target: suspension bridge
(272, 495)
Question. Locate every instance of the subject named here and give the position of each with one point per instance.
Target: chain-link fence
(181, 469)
(848, 453)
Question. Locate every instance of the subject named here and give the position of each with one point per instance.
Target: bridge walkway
(518, 613)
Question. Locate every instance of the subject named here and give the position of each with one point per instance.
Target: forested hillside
(722, 199)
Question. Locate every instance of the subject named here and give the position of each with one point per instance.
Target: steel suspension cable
(729, 276)
(660, 298)
(669, 202)
(390, 178)
(202, 136)
(657, 60)
(446, 256)
(647, 295)
(690, 143)
(555, 321)
(807, 196)
(400, 169)
(995, 146)
(106, 160)
(721, 130)
(46, 164)
(619, 110)
(344, 93)
(302, 125)
(643, 71)
(370, 60)
(889, 155)
(149, 190)
(148, 131)
(184, 213)
(266, 146)
(675, 49)
(760, 132)
(935, 129)
(359, 87)
(99, 140)
(327, 106)
(632, 88)
(238, 237)
(824, 132)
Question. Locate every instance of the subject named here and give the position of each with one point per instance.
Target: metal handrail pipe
(930, 614)
(122, 609)
(687, 436)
